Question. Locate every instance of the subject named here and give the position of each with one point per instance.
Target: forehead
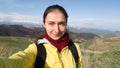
(55, 15)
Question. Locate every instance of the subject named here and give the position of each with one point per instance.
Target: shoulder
(32, 45)
(40, 41)
(77, 45)
(31, 48)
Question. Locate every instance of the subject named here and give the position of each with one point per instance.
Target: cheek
(48, 29)
(63, 29)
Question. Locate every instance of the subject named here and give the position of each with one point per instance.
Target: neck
(59, 44)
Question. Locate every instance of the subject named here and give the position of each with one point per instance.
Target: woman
(55, 42)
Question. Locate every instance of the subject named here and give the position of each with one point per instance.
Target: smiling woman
(55, 43)
(55, 24)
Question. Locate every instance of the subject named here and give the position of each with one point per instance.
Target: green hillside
(10, 45)
(96, 53)
(101, 53)
(109, 59)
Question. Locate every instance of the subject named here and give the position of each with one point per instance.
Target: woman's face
(55, 24)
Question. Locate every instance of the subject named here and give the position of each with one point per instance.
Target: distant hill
(19, 30)
(81, 37)
(100, 32)
(21, 23)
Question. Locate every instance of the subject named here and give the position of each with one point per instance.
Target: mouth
(57, 35)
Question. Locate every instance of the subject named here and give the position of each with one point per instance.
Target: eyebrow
(59, 22)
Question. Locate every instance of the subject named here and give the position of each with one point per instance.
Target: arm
(22, 59)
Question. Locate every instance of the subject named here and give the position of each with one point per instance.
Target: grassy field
(101, 53)
(10, 45)
(96, 53)
(106, 60)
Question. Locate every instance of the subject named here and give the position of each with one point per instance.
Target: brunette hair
(53, 8)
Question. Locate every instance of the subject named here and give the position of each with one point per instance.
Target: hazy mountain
(78, 35)
(19, 30)
(22, 23)
(29, 31)
(100, 32)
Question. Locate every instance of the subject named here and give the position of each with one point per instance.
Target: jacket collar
(44, 40)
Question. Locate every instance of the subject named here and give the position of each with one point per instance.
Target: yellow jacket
(54, 59)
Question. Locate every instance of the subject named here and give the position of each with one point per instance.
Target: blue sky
(98, 14)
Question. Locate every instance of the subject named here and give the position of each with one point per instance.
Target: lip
(56, 35)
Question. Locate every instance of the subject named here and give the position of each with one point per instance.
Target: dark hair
(55, 7)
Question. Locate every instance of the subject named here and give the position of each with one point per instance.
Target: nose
(57, 29)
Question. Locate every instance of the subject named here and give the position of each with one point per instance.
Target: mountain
(99, 32)
(19, 30)
(22, 23)
(81, 37)
(29, 31)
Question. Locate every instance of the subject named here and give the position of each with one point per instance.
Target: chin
(56, 38)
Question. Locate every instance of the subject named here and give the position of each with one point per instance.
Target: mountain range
(99, 32)
(30, 31)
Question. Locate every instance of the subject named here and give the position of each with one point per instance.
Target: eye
(63, 23)
(51, 23)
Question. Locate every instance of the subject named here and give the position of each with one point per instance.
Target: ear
(43, 25)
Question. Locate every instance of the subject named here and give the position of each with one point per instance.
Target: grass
(19, 42)
(97, 53)
(114, 43)
(86, 44)
(101, 53)
(106, 60)
(10, 45)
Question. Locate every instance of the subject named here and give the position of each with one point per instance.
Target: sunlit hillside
(96, 53)
(10, 44)
(101, 53)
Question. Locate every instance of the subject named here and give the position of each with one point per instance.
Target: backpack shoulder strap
(74, 52)
(41, 56)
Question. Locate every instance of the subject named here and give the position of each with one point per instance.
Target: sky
(99, 14)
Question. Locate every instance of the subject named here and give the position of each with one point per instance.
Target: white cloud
(86, 22)
(95, 23)
(18, 18)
